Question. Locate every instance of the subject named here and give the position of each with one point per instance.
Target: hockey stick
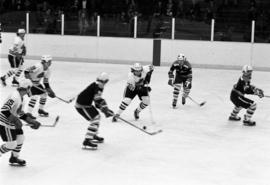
(63, 100)
(141, 129)
(267, 96)
(66, 101)
(199, 104)
(48, 125)
(150, 109)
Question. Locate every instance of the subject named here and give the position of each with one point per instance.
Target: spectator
(83, 22)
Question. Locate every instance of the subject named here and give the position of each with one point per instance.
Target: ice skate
(97, 139)
(115, 118)
(15, 161)
(43, 113)
(136, 114)
(183, 100)
(249, 123)
(234, 118)
(174, 104)
(3, 81)
(88, 144)
(15, 82)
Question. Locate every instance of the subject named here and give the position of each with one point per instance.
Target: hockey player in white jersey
(15, 58)
(137, 84)
(11, 125)
(36, 73)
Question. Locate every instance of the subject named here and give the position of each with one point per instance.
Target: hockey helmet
(103, 78)
(181, 56)
(21, 31)
(247, 72)
(46, 58)
(247, 69)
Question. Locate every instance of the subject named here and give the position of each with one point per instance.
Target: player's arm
(131, 84)
(47, 85)
(6, 110)
(170, 73)
(101, 104)
(254, 90)
(34, 124)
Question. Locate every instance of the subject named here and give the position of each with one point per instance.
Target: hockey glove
(16, 121)
(35, 124)
(170, 82)
(259, 92)
(23, 50)
(50, 92)
(107, 111)
(131, 87)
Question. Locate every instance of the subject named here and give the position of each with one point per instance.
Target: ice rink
(198, 145)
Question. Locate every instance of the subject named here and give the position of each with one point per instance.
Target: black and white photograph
(135, 92)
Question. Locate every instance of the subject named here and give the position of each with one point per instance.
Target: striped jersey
(13, 104)
(17, 48)
(37, 72)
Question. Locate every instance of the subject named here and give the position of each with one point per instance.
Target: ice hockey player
(15, 58)
(239, 100)
(181, 76)
(87, 104)
(137, 84)
(36, 73)
(11, 125)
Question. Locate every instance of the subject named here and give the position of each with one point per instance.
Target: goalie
(237, 97)
(85, 107)
(11, 125)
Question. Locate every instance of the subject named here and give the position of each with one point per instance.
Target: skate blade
(97, 142)
(17, 165)
(89, 148)
(44, 116)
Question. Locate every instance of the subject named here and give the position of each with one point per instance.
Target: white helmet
(137, 67)
(103, 77)
(25, 83)
(46, 58)
(21, 31)
(247, 69)
(181, 57)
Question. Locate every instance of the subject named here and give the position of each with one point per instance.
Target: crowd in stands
(48, 12)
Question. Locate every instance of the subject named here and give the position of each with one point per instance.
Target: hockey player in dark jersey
(87, 104)
(11, 125)
(181, 76)
(237, 97)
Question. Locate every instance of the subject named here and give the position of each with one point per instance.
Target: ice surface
(198, 146)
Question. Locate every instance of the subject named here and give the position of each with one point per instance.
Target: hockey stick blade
(203, 103)
(139, 128)
(53, 125)
(66, 101)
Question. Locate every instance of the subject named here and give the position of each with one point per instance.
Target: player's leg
(186, 90)
(18, 71)
(19, 63)
(12, 62)
(128, 96)
(14, 158)
(241, 101)
(92, 115)
(176, 92)
(13, 142)
(42, 102)
(145, 100)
